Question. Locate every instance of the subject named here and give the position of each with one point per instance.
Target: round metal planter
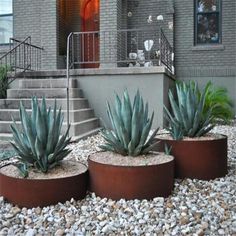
(43, 192)
(131, 182)
(199, 159)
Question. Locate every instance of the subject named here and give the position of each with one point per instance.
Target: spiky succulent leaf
(187, 116)
(39, 143)
(130, 127)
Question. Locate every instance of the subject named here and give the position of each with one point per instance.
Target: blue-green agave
(38, 142)
(188, 116)
(130, 127)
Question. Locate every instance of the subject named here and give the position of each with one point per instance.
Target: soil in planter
(116, 159)
(65, 169)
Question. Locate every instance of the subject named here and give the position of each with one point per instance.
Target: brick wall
(38, 19)
(204, 61)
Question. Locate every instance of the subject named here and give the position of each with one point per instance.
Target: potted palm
(41, 176)
(126, 167)
(198, 152)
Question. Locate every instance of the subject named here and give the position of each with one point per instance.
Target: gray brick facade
(50, 22)
(191, 60)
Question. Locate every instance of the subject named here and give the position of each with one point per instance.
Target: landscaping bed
(195, 207)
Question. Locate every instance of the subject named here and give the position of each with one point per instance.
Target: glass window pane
(207, 5)
(208, 28)
(5, 7)
(6, 26)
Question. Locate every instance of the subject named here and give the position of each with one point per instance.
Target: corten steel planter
(199, 159)
(43, 192)
(131, 182)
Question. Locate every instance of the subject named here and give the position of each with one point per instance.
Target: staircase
(82, 119)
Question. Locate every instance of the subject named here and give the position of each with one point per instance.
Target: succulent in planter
(194, 112)
(128, 167)
(130, 127)
(38, 142)
(189, 117)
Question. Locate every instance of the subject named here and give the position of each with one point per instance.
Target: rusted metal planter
(43, 192)
(131, 182)
(199, 159)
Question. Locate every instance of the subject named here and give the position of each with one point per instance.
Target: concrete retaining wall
(100, 86)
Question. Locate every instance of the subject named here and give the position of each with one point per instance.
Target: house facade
(126, 33)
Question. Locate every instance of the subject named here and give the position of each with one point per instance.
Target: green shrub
(39, 144)
(222, 107)
(189, 116)
(3, 81)
(130, 127)
(195, 112)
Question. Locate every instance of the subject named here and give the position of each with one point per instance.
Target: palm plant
(221, 104)
(38, 142)
(130, 127)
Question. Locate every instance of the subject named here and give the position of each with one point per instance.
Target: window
(207, 21)
(6, 21)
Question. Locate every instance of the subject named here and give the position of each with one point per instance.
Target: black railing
(22, 56)
(121, 48)
(166, 52)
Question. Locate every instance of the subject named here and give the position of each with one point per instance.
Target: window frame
(196, 13)
(5, 15)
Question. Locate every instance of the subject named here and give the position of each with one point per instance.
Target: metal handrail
(68, 67)
(23, 57)
(166, 51)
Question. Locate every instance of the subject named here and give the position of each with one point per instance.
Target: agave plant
(189, 117)
(221, 104)
(38, 143)
(130, 127)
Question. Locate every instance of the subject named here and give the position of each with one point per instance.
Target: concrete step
(85, 135)
(46, 83)
(77, 128)
(83, 127)
(74, 103)
(8, 136)
(48, 93)
(75, 115)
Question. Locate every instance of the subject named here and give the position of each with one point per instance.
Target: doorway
(90, 41)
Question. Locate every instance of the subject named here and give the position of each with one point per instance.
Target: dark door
(90, 41)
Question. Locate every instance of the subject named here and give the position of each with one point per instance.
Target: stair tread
(76, 110)
(72, 123)
(86, 135)
(36, 89)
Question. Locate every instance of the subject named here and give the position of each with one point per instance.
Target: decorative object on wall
(160, 18)
(170, 25)
(149, 19)
(148, 44)
(130, 14)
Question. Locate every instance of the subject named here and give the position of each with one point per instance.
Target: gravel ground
(195, 207)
